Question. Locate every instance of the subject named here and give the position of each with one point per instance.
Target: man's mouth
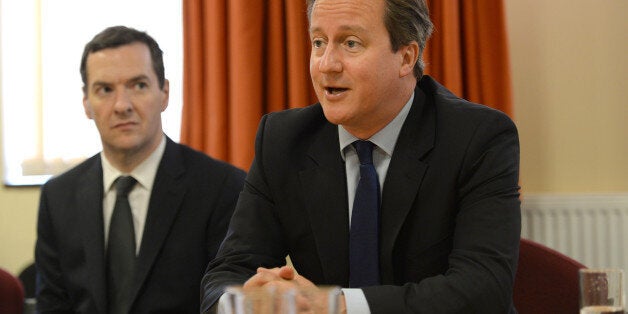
(124, 124)
(335, 90)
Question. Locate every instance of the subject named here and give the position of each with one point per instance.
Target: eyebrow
(355, 28)
(140, 77)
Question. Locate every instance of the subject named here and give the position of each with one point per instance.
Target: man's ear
(166, 93)
(87, 106)
(409, 57)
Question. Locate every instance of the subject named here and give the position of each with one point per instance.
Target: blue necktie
(121, 249)
(364, 234)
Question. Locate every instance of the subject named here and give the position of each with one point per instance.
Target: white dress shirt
(139, 197)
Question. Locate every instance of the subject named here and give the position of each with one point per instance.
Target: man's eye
(352, 43)
(141, 85)
(103, 90)
(317, 43)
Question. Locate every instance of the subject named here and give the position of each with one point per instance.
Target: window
(44, 128)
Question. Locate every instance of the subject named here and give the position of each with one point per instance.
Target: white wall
(570, 83)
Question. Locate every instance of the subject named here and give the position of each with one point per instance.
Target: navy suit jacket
(191, 202)
(450, 213)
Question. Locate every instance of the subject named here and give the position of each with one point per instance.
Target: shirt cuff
(356, 301)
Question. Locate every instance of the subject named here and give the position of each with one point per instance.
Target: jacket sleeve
(52, 296)
(253, 239)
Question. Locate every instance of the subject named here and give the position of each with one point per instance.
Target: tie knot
(124, 184)
(364, 150)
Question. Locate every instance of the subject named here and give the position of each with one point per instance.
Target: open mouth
(335, 90)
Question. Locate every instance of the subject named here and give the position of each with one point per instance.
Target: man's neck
(127, 160)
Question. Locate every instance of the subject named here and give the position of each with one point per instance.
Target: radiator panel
(592, 229)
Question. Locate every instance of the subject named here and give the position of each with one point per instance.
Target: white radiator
(592, 229)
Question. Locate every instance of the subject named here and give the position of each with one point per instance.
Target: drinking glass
(237, 300)
(263, 300)
(601, 291)
(315, 300)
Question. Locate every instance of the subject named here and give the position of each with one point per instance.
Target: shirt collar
(385, 139)
(144, 173)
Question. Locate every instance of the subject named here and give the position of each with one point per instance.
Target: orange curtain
(245, 58)
(468, 51)
(242, 59)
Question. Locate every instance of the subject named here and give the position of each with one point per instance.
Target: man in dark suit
(445, 237)
(106, 250)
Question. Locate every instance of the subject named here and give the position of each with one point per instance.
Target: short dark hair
(406, 21)
(117, 36)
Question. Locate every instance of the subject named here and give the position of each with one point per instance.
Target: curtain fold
(468, 51)
(242, 59)
(245, 58)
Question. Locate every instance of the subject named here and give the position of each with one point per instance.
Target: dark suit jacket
(450, 213)
(190, 206)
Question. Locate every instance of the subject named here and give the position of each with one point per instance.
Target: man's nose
(123, 102)
(330, 61)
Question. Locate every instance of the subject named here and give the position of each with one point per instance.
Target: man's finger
(261, 278)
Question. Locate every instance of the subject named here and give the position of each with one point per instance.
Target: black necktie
(364, 234)
(121, 249)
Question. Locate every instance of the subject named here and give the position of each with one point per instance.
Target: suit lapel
(89, 202)
(323, 185)
(165, 201)
(404, 176)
